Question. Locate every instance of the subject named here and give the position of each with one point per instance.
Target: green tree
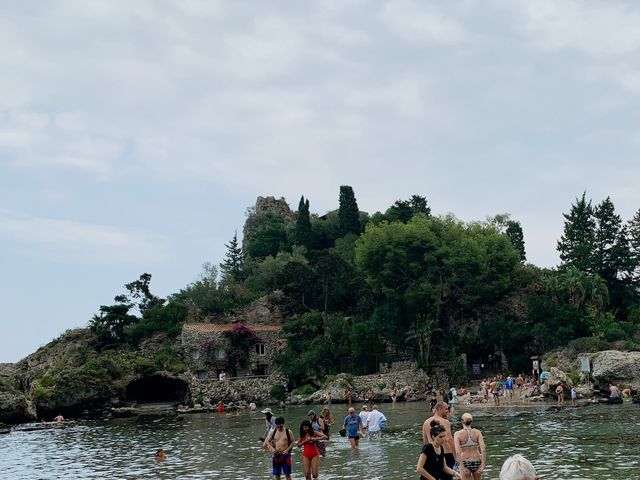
(269, 238)
(436, 266)
(140, 291)
(514, 232)
(404, 210)
(231, 266)
(348, 212)
(109, 325)
(577, 241)
(633, 228)
(421, 335)
(303, 224)
(611, 253)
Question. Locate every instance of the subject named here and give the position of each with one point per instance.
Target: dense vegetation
(402, 284)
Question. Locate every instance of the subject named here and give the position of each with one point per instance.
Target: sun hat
(267, 410)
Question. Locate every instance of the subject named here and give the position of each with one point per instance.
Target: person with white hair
(516, 467)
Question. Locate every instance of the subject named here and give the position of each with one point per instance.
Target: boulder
(15, 408)
(614, 367)
(556, 377)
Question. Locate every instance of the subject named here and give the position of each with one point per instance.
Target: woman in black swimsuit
(431, 464)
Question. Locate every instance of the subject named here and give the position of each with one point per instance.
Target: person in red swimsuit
(310, 455)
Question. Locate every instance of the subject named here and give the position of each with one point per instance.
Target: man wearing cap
(353, 425)
(270, 422)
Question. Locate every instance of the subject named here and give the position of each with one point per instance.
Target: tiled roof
(225, 327)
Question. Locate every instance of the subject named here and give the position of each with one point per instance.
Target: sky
(134, 135)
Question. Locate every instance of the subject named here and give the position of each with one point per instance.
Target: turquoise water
(594, 442)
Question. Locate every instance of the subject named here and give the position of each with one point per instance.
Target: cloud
(421, 22)
(598, 29)
(63, 240)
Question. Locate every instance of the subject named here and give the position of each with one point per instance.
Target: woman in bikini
(310, 455)
(470, 449)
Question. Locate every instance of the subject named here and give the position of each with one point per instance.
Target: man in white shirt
(374, 420)
(222, 376)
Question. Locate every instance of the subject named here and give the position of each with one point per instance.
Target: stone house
(207, 351)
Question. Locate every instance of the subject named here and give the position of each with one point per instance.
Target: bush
(381, 386)
(143, 367)
(328, 380)
(305, 390)
(588, 344)
(279, 393)
(41, 394)
(574, 377)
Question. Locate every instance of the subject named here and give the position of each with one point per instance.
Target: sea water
(589, 442)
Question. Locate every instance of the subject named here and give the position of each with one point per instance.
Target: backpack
(383, 424)
(289, 438)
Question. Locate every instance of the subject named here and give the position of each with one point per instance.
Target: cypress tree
(633, 229)
(576, 244)
(348, 213)
(515, 234)
(231, 266)
(611, 252)
(303, 224)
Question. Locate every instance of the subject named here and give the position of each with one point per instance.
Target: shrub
(328, 380)
(574, 377)
(381, 386)
(304, 390)
(278, 392)
(588, 344)
(143, 367)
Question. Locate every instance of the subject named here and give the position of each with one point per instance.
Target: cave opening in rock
(157, 389)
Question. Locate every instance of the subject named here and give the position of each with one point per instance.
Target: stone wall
(200, 361)
(256, 390)
(264, 206)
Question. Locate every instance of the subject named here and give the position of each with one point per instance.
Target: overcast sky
(133, 135)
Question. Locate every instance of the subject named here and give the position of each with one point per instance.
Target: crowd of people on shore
(445, 455)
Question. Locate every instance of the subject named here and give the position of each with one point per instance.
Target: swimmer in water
(160, 455)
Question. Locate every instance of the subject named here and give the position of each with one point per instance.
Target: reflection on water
(595, 442)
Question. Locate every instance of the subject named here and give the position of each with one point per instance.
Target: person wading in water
(470, 449)
(441, 411)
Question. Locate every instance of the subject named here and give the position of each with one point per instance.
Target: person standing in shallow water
(560, 394)
(440, 416)
(310, 455)
(431, 463)
(280, 442)
(470, 449)
(353, 425)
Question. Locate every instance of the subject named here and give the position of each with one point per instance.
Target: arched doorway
(157, 389)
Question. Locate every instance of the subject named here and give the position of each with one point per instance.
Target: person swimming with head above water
(160, 455)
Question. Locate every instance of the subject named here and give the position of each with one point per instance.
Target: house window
(261, 349)
(195, 353)
(220, 353)
(201, 374)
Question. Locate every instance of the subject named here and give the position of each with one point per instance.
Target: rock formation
(612, 366)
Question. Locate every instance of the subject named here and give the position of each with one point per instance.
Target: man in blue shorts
(509, 387)
(353, 424)
(279, 442)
